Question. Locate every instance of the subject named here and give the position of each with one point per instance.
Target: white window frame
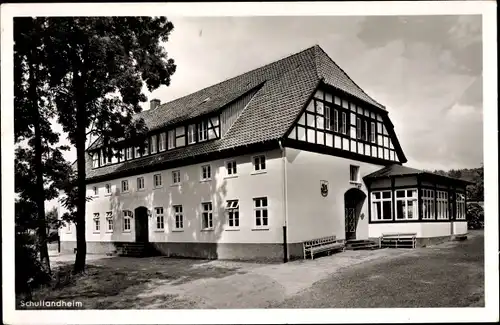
(203, 131)
(406, 199)
(373, 138)
(154, 144)
(162, 144)
(122, 187)
(97, 223)
(328, 121)
(127, 215)
(375, 217)
(442, 205)
(95, 160)
(160, 218)
(335, 120)
(205, 173)
(428, 209)
(233, 214)
(137, 153)
(171, 139)
(109, 222)
(129, 153)
(358, 174)
(208, 213)
(263, 209)
(231, 168)
(460, 202)
(178, 218)
(176, 177)
(157, 180)
(191, 134)
(140, 181)
(358, 128)
(344, 123)
(259, 166)
(107, 188)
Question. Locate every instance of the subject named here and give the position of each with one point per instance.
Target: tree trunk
(38, 165)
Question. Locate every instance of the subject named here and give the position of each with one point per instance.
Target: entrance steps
(359, 244)
(134, 249)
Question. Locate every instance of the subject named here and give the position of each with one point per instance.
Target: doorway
(353, 202)
(141, 225)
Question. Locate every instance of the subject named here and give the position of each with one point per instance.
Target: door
(353, 202)
(350, 223)
(141, 225)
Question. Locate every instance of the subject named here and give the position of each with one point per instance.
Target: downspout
(285, 204)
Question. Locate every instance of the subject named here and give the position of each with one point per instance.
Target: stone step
(361, 244)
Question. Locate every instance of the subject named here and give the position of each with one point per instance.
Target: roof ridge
(237, 76)
(345, 73)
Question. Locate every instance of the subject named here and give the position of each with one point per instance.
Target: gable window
(191, 134)
(354, 174)
(328, 123)
(140, 183)
(95, 191)
(103, 157)
(205, 172)
(365, 130)
(406, 204)
(335, 120)
(171, 139)
(231, 168)
(260, 210)
(203, 131)
(428, 204)
(460, 206)
(153, 144)
(162, 144)
(108, 188)
(95, 160)
(157, 180)
(259, 163)
(179, 219)
(207, 216)
(109, 221)
(97, 222)
(160, 220)
(176, 177)
(344, 123)
(372, 132)
(442, 205)
(124, 186)
(381, 205)
(358, 128)
(127, 216)
(233, 213)
(128, 154)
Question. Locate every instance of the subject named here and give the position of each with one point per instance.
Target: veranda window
(428, 210)
(381, 205)
(406, 204)
(460, 206)
(442, 205)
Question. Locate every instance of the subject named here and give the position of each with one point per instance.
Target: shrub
(475, 216)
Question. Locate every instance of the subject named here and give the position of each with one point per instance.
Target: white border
(485, 8)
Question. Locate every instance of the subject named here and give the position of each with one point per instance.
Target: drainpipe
(285, 204)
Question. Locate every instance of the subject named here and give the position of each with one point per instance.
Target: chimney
(154, 103)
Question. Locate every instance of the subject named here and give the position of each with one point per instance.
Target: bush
(475, 216)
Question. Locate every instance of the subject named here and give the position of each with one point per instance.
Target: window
(95, 160)
(335, 120)
(171, 139)
(95, 191)
(354, 174)
(344, 123)
(179, 219)
(460, 206)
(259, 163)
(191, 133)
(103, 158)
(260, 210)
(162, 145)
(233, 213)
(381, 205)
(127, 215)
(153, 144)
(97, 222)
(157, 180)
(176, 177)
(128, 154)
(231, 168)
(108, 188)
(138, 152)
(203, 131)
(406, 204)
(365, 130)
(442, 205)
(160, 220)
(428, 212)
(372, 132)
(358, 128)
(328, 123)
(140, 183)
(124, 186)
(109, 221)
(205, 172)
(180, 136)
(207, 216)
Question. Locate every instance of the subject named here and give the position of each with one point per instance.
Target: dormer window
(162, 145)
(95, 159)
(191, 134)
(153, 144)
(203, 131)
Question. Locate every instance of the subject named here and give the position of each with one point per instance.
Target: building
(285, 153)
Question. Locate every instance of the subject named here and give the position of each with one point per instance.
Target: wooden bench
(324, 244)
(398, 240)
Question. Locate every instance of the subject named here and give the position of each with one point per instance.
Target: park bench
(324, 244)
(398, 240)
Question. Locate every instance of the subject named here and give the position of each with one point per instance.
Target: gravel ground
(446, 275)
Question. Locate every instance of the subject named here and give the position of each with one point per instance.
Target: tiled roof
(286, 85)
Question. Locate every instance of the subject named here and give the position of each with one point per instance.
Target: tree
(98, 66)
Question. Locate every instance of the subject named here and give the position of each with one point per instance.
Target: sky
(426, 70)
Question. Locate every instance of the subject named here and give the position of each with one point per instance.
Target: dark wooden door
(350, 222)
(141, 225)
